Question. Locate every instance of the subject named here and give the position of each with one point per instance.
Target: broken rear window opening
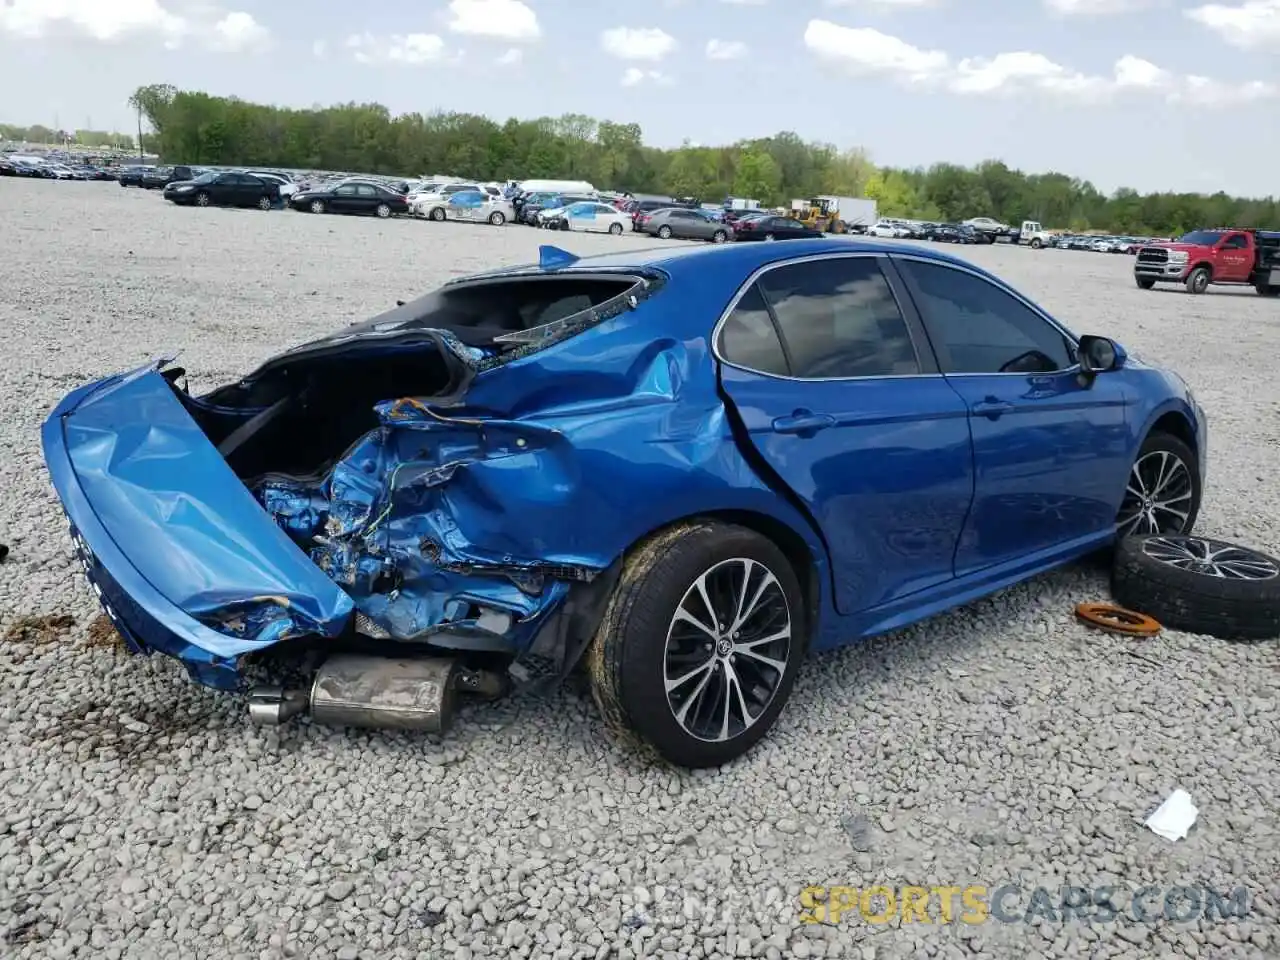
(301, 411)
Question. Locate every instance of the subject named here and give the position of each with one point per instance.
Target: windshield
(205, 178)
(1201, 238)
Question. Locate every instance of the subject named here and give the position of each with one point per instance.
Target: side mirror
(1098, 355)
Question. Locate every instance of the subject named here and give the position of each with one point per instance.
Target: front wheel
(1035, 243)
(664, 233)
(719, 237)
(202, 200)
(317, 206)
(770, 237)
(1144, 283)
(497, 218)
(1198, 280)
(615, 229)
(1162, 491)
(700, 643)
(437, 214)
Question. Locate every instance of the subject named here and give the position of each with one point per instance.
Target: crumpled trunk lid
(180, 516)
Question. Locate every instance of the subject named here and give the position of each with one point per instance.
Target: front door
(1051, 454)
(1235, 258)
(841, 398)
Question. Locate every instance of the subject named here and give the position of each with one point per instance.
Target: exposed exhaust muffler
(410, 693)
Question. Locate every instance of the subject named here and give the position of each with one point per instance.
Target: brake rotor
(1114, 619)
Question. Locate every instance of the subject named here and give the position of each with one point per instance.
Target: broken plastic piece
(1114, 619)
(550, 258)
(1175, 817)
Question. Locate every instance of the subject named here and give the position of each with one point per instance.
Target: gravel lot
(141, 816)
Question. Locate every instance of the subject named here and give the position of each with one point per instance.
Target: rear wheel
(264, 203)
(383, 211)
(497, 218)
(700, 643)
(317, 206)
(719, 237)
(1198, 280)
(1144, 283)
(437, 214)
(615, 229)
(664, 233)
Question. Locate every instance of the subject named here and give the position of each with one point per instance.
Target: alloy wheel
(727, 649)
(1158, 497)
(1210, 558)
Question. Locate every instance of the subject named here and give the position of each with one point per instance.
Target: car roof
(741, 258)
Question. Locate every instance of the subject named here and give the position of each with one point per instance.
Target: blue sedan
(683, 468)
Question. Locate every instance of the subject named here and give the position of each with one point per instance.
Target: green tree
(757, 176)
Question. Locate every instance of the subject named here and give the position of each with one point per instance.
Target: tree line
(47, 136)
(198, 128)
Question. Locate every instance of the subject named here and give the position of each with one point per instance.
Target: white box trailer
(854, 211)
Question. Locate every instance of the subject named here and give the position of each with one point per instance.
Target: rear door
(825, 364)
(1052, 455)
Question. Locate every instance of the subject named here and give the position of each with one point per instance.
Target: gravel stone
(141, 816)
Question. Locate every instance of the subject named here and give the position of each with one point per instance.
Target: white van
(557, 186)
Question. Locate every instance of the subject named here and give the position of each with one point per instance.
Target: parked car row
(40, 168)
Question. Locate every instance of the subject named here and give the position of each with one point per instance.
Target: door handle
(802, 421)
(992, 409)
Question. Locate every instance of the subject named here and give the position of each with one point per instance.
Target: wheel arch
(806, 556)
(1201, 263)
(1176, 424)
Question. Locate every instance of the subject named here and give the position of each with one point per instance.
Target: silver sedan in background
(686, 224)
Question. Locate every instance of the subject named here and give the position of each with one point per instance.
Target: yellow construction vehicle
(819, 213)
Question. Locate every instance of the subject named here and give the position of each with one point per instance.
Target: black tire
(382, 211)
(202, 199)
(497, 218)
(627, 660)
(317, 206)
(615, 229)
(719, 237)
(1160, 576)
(1266, 290)
(1144, 283)
(437, 214)
(264, 203)
(664, 232)
(1198, 280)
(1035, 243)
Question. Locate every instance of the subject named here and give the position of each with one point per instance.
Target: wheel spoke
(684, 678)
(697, 695)
(745, 616)
(685, 616)
(767, 661)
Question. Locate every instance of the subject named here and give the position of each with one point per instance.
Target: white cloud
(510, 58)
(1094, 8)
(1254, 24)
(867, 52)
(634, 76)
(726, 50)
(638, 43)
(881, 3)
(509, 20)
(238, 32)
(401, 48)
(113, 21)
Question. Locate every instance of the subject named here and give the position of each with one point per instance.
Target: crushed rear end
(398, 499)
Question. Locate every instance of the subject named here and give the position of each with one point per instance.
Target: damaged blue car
(681, 470)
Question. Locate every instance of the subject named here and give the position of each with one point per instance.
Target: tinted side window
(839, 319)
(978, 328)
(366, 191)
(346, 191)
(1236, 242)
(748, 338)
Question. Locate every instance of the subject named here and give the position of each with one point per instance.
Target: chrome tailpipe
(410, 693)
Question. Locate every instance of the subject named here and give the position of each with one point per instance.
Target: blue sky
(1154, 94)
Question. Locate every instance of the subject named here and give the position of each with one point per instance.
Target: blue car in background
(684, 469)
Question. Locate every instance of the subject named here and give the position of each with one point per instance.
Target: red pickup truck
(1227, 255)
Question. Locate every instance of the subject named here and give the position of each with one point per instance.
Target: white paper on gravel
(1175, 817)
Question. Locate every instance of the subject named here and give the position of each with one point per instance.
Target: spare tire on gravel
(1199, 585)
